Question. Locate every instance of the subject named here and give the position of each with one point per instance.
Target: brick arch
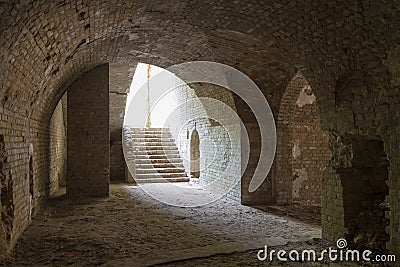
(53, 62)
(302, 147)
(72, 71)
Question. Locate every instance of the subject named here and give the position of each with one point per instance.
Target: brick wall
(58, 147)
(24, 158)
(219, 142)
(120, 81)
(359, 110)
(302, 152)
(88, 135)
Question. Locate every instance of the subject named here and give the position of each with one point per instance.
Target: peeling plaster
(301, 176)
(296, 152)
(306, 96)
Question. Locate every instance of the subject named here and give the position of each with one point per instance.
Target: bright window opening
(151, 88)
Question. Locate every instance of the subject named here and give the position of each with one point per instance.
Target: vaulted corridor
(280, 107)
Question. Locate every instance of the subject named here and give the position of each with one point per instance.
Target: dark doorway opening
(364, 193)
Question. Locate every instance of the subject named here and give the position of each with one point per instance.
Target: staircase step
(151, 132)
(158, 161)
(147, 133)
(146, 138)
(150, 165)
(160, 175)
(156, 156)
(156, 152)
(151, 128)
(154, 144)
(150, 140)
(159, 170)
(163, 180)
(160, 148)
(154, 130)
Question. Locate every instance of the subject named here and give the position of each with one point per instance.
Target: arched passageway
(347, 50)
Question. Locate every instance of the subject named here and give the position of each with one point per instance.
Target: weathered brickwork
(348, 51)
(6, 203)
(58, 147)
(367, 117)
(120, 81)
(24, 153)
(219, 142)
(302, 148)
(88, 159)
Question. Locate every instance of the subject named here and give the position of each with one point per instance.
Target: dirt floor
(129, 228)
(307, 214)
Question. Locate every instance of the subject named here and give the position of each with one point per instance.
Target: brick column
(88, 135)
(263, 195)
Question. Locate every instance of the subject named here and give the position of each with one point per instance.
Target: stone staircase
(156, 156)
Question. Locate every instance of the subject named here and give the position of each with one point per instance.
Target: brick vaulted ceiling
(45, 45)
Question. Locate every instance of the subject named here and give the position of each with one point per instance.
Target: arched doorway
(302, 147)
(195, 154)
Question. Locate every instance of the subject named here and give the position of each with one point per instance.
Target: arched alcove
(302, 147)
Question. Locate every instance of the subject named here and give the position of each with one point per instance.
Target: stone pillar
(88, 135)
(263, 195)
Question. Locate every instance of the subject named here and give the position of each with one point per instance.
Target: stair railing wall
(130, 162)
